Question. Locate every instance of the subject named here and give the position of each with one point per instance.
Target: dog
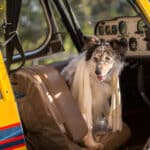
(93, 77)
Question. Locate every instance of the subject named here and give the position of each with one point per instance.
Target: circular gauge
(108, 30)
(124, 40)
(114, 29)
(101, 30)
(133, 44)
(140, 26)
(122, 27)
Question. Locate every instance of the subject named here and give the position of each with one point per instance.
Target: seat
(63, 99)
(48, 112)
(50, 116)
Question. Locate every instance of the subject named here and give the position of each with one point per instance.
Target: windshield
(88, 12)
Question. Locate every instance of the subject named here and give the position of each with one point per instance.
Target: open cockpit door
(11, 131)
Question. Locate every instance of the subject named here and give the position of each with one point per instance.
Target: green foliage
(32, 26)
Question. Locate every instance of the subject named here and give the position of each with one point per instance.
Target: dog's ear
(119, 46)
(90, 52)
(90, 43)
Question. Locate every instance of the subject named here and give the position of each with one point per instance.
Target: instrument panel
(130, 29)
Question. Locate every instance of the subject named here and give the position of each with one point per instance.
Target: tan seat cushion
(56, 85)
(48, 117)
(42, 129)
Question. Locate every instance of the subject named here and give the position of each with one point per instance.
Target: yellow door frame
(11, 132)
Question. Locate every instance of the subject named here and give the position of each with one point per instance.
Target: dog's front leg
(91, 143)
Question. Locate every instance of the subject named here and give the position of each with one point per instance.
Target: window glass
(68, 47)
(67, 42)
(89, 12)
(33, 28)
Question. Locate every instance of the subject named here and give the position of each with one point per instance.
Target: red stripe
(9, 126)
(14, 147)
(12, 139)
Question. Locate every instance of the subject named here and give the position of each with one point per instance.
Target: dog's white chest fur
(101, 92)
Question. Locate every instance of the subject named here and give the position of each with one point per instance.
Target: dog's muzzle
(99, 74)
(100, 77)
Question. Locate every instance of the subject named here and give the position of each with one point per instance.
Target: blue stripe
(14, 143)
(11, 132)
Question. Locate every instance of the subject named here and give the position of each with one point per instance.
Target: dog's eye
(95, 59)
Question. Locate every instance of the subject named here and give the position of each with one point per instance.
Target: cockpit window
(89, 12)
(32, 25)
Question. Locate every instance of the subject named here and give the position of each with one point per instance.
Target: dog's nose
(98, 72)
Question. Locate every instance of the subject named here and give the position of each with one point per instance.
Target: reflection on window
(32, 26)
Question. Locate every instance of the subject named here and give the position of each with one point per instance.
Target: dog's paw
(91, 144)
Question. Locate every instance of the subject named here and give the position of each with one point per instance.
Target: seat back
(64, 101)
(49, 114)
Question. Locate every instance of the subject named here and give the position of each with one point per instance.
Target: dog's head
(103, 57)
